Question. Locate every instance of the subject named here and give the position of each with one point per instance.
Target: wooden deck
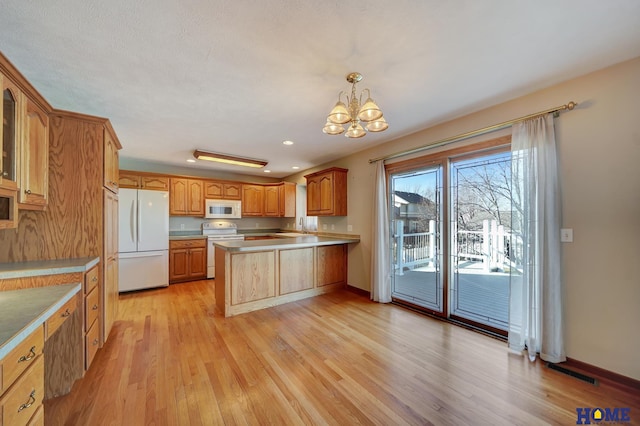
(481, 297)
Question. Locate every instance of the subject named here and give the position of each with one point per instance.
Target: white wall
(599, 150)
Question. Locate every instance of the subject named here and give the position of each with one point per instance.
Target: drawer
(92, 343)
(178, 244)
(91, 308)
(20, 403)
(21, 358)
(91, 279)
(60, 316)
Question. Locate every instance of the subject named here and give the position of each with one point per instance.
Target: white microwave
(222, 209)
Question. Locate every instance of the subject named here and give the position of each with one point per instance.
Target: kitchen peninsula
(258, 274)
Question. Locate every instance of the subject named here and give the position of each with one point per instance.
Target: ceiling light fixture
(287, 142)
(354, 111)
(228, 159)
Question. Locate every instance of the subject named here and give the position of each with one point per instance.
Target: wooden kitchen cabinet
(222, 190)
(11, 117)
(252, 200)
(94, 309)
(34, 178)
(186, 197)
(187, 260)
(141, 180)
(271, 201)
(331, 262)
(280, 199)
(327, 192)
(110, 161)
(109, 294)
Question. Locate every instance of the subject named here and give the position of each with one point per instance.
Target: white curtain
(535, 314)
(380, 261)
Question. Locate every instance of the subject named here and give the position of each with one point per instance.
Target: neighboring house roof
(412, 197)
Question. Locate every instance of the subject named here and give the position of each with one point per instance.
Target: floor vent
(572, 373)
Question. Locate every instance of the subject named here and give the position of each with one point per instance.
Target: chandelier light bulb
(377, 125)
(355, 131)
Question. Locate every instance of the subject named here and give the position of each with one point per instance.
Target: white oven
(218, 231)
(222, 209)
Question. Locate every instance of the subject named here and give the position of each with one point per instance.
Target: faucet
(302, 224)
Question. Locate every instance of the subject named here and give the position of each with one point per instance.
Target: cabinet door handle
(95, 342)
(32, 400)
(94, 279)
(66, 313)
(27, 191)
(94, 307)
(30, 356)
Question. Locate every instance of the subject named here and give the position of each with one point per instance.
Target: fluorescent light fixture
(229, 159)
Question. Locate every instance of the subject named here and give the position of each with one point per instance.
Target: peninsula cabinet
(140, 180)
(186, 197)
(187, 260)
(327, 192)
(222, 190)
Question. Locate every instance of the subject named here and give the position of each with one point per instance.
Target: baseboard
(605, 376)
(359, 291)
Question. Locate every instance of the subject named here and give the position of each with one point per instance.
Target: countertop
(283, 243)
(46, 267)
(23, 311)
(187, 237)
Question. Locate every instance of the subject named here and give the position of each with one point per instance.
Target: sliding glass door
(480, 239)
(416, 238)
(453, 245)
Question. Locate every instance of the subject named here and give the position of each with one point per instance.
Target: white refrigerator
(143, 239)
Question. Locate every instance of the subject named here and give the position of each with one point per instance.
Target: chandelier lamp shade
(353, 112)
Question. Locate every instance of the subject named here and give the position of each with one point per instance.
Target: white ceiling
(240, 77)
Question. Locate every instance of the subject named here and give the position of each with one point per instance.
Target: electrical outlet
(324, 226)
(333, 227)
(349, 228)
(182, 226)
(257, 224)
(566, 235)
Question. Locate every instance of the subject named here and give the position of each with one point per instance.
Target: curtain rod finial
(571, 105)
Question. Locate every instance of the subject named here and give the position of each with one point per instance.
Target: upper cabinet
(327, 192)
(34, 181)
(111, 168)
(222, 190)
(252, 200)
(186, 197)
(280, 199)
(12, 104)
(142, 180)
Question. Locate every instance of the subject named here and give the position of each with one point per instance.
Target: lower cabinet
(187, 260)
(92, 315)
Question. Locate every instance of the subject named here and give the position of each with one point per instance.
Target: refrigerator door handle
(132, 222)
(139, 220)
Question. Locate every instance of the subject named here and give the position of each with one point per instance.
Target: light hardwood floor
(333, 359)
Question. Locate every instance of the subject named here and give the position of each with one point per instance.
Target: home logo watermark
(588, 415)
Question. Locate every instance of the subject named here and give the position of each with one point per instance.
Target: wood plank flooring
(172, 359)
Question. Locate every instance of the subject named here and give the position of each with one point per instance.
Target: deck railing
(496, 247)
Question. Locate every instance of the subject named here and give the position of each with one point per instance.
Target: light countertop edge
(36, 322)
(46, 267)
(282, 243)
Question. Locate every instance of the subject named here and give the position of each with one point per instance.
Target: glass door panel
(481, 252)
(416, 238)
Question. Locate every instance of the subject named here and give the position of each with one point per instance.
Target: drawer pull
(94, 279)
(94, 307)
(32, 354)
(95, 342)
(32, 400)
(66, 313)
(27, 191)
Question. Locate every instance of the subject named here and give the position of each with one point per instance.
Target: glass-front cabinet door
(10, 133)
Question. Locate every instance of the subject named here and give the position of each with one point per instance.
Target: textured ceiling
(240, 77)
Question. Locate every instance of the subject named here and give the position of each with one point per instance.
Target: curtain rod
(571, 105)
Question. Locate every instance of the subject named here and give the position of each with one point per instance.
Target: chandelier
(354, 112)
